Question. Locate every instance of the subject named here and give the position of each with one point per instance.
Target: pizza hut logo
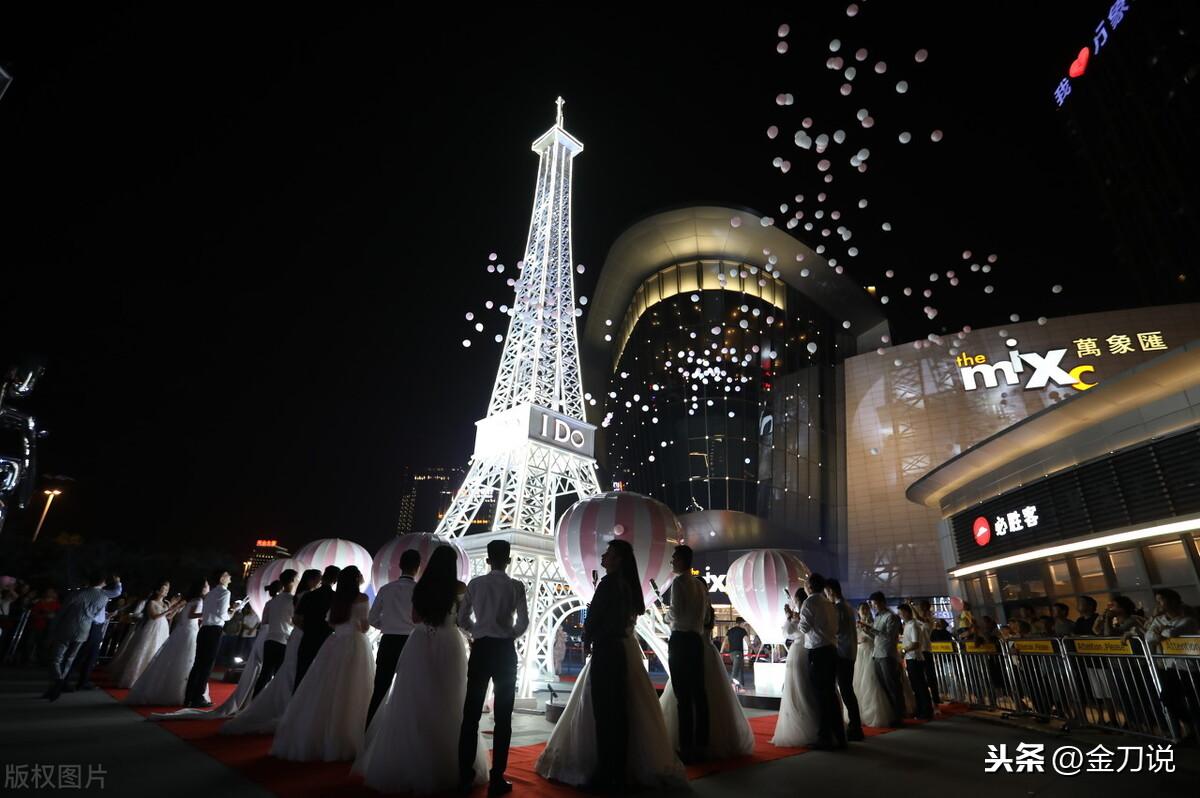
(982, 531)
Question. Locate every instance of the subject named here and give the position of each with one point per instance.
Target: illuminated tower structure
(534, 446)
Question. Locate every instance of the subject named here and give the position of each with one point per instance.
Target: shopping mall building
(739, 378)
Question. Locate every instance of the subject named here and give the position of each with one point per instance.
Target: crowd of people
(336, 678)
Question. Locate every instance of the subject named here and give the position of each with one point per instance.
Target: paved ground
(946, 756)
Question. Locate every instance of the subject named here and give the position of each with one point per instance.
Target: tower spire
(558, 121)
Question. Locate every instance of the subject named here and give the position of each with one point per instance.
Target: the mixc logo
(1045, 369)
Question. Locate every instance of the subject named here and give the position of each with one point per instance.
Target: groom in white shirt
(391, 614)
(494, 613)
(689, 608)
(215, 611)
(818, 623)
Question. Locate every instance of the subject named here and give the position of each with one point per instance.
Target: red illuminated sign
(983, 531)
(266, 544)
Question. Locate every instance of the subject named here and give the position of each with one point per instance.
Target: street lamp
(50, 494)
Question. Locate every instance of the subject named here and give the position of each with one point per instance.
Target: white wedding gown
(324, 720)
(571, 754)
(164, 681)
(412, 744)
(238, 699)
(873, 705)
(729, 732)
(148, 638)
(262, 715)
(799, 718)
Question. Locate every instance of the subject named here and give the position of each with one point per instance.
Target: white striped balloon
(386, 566)
(586, 529)
(321, 554)
(256, 585)
(755, 584)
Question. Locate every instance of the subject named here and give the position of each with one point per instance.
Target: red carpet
(249, 755)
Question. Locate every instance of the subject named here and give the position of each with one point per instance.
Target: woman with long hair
(324, 720)
(612, 733)
(263, 714)
(164, 680)
(147, 638)
(412, 742)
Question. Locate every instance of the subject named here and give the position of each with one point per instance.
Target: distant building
(265, 550)
(425, 497)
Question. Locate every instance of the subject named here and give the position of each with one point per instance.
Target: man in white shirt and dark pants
(818, 623)
(214, 613)
(914, 661)
(494, 613)
(277, 615)
(847, 648)
(391, 614)
(689, 608)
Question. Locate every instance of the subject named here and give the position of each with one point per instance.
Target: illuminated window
(1091, 574)
(1127, 567)
(1060, 578)
(1169, 564)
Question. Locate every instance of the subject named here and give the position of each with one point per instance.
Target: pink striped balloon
(755, 583)
(320, 554)
(586, 528)
(386, 566)
(256, 585)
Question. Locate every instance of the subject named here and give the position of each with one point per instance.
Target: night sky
(244, 240)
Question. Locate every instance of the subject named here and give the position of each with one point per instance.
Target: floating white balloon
(902, 87)
(921, 55)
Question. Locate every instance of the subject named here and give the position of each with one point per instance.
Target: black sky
(244, 239)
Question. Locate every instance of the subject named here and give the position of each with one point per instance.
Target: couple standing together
(820, 666)
(613, 732)
(413, 743)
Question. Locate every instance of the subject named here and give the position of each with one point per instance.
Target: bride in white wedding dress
(164, 681)
(262, 715)
(151, 633)
(729, 732)
(573, 755)
(324, 720)
(412, 743)
(873, 704)
(799, 714)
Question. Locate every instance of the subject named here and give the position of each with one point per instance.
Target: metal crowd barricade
(1176, 662)
(1117, 685)
(986, 677)
(13, 639)
(1044, 683)
(947, 668)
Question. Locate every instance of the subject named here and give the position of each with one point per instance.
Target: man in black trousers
(689, 609)
(89, 653)
(818, 623)
(847, 650)
(310, 616)
(391, 614)
(494, 613)
(214, 612)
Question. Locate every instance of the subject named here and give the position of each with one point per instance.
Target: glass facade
(718, 402)
(1129, 571)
